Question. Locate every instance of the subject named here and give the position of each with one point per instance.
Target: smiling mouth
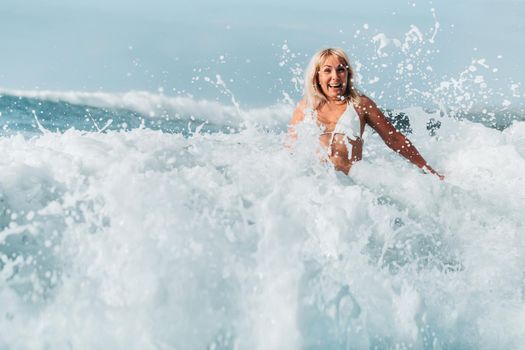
(335, 86)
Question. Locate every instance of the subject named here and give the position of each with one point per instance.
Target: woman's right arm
(297, 117)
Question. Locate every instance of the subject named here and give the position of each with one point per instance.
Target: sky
(180, 47)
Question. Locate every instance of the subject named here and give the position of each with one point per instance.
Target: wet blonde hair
(313, 94)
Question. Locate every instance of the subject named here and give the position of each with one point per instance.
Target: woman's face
(333, 75)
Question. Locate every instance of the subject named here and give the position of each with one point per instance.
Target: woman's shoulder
(364, 102)
(300, 111)
(302, 104)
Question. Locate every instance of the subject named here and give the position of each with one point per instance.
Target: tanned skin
(327, 117)
(331, 79)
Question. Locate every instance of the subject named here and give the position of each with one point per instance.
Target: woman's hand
(428, 169)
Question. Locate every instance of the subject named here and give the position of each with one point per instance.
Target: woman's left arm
(391, 136)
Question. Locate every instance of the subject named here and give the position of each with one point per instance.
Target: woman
(342, 113)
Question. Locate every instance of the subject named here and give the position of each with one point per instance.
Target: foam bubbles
(144, 239)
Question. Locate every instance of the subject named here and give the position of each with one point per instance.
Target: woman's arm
(392, 137)
(297, 117)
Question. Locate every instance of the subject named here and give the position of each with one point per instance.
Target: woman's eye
(341, 70)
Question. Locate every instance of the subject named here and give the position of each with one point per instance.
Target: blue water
(23, 114)
(141, 220)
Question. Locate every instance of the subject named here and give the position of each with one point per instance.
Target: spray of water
(147, 237)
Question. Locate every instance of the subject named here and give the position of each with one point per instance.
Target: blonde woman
(342, 113)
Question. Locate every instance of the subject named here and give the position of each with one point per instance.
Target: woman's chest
(344, 118)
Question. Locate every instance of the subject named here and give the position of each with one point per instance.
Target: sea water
(147, 221)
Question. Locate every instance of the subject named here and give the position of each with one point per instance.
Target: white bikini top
(349, 123)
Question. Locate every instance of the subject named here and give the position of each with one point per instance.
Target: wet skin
(339, 155)
(331, 79)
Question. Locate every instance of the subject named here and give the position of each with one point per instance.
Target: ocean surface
(142, 220)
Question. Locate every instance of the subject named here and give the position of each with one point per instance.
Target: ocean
(145, 221)
(154, 220)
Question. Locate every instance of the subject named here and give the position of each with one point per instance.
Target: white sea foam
(148, 240)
